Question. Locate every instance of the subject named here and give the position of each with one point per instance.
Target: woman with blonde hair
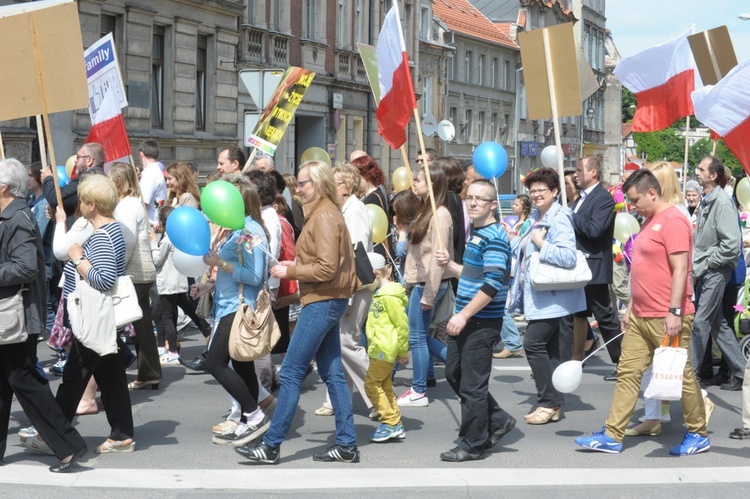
(670, 184)
(327, 279)
(139, 265)
(183, 191)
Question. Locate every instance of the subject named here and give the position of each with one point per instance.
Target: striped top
(486, 261)
(105, 249)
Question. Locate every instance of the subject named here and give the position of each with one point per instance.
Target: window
(425, 24)
(250, 10)
(493, 73)
(200, 82)
(506, 75)
(467, 66)
(466, 129)
(452, 115)
(426, 96)
(311, 19)
(480, 127)
(361, 14)
(493, 126)
(276, 21)
(108, 24)
(449, 69)
(340, 23)
(522, 113)
(157, 77)
(480, 70)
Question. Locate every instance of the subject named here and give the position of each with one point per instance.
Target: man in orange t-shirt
(660, 304)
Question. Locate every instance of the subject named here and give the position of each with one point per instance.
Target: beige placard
(586, 76)
(42, 59)
(563, 64)
(369, 56)
(714, 54)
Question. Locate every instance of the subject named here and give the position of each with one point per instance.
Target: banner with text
(280, 109)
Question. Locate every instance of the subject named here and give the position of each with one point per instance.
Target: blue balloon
(62, 176)
(188, 230)
(490, 159)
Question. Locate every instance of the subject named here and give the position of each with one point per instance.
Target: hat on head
(377, 261)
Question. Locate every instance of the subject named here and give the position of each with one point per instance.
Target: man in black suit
(594, 225)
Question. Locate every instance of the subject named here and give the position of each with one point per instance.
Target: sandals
(140, 385)
(324, 411)
(114, 446)
(543, 415)
(36, 443)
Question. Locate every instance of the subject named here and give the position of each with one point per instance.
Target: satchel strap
(241, 293)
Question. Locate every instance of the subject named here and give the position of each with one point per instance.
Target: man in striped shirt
(480, 307)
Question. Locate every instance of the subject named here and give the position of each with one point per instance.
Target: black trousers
(599, 305)
(149, 366)
(18, 375)
(239, 380)
(543, 346)
(188, 306)
(468, 366)
(165, 320)
(109, 373)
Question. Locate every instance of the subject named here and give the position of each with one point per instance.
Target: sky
(639, 24)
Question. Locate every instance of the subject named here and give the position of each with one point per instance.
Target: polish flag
(397, 102)
(662, 78)
(108, 129)
(725, 108)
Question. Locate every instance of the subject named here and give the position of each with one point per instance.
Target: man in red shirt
(660, 304)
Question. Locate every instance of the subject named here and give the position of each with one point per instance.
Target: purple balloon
(511, 220)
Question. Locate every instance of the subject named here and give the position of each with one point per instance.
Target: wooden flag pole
(713, 148)
(685, 162)
(555, 120)
(427, 177)
(42, 144)
(2, 147)
(405, 157)
(250, 160)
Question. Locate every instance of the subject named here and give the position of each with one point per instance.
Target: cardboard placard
(714, 54)
(564, 65)
(369, 56)
(42, 58)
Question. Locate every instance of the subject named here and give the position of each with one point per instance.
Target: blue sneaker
(691, 444)
(600, 442)
(388, 432)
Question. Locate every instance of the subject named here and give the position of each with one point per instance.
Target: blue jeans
(423, 346)
(510, 335)
(315, 336)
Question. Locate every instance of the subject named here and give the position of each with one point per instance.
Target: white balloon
(188, 265)
(446, 131)
(549, 157)
(567, 376)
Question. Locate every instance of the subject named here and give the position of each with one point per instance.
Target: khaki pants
(379, 388)
(643, 336)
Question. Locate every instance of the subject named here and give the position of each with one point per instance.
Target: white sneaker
(170, 359)
(413, 399)
(25, 433)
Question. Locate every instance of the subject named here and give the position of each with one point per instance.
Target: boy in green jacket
(388, 342)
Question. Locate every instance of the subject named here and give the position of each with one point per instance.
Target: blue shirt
(486, 259)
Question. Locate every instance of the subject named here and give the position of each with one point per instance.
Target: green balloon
(222, 203)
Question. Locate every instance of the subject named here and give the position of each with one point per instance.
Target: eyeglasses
(477, 199)
(537, 192)
(420, 161)
(78, 156)
(302, 183)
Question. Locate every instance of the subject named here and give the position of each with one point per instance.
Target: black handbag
(363, 267)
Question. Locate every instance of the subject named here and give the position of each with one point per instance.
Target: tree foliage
(628, 105)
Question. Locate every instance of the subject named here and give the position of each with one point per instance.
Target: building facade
(177, 60)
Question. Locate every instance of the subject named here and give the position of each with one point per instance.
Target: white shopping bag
(668, 370)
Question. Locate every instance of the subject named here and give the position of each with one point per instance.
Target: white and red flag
(662, 78)
(397, 102)
(108, 129)
(725, 108)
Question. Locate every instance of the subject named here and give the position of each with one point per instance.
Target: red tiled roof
(504, 26)
(462, 17)
(626, 129)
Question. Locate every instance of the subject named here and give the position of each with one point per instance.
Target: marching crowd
(443, 286)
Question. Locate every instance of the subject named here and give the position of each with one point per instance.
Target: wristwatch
(224, 266)
(676, 311)
(77, 261)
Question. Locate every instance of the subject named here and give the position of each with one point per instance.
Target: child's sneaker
(600, 442)
(170, 359)
(388, 432)
(413, 399)
(691, 444)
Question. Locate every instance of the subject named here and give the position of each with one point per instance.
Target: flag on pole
(725, 108)
(397, 102)
(108, 129)
(662, 78)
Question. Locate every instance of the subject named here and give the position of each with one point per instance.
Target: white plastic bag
(668, 371)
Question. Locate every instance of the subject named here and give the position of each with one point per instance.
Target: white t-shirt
(154, 190)
(272, 223)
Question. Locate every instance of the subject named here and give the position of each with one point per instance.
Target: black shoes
(66, 467)
(459, 455)
(733, 385)
(611, 376)
(431, 382)
(740, 434)
(496, 435)
(198, 364)
(338, 453)
(260, 452)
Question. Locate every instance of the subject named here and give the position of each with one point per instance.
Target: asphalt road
(175, 456)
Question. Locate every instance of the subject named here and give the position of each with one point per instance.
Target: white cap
(377, 261)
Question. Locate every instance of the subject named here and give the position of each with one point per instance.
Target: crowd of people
(446, 284)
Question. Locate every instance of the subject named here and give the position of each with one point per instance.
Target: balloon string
(607, 343)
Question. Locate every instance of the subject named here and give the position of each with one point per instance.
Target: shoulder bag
(547, 277)
(13, 319)
(124, 299)
(254, 330)
(92, 318)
